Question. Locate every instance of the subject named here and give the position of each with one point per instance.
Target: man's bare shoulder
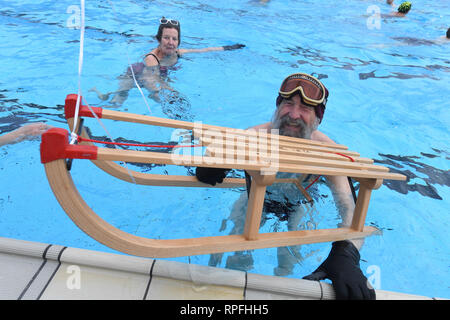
(320, 136)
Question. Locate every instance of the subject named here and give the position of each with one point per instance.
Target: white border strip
(295, 288)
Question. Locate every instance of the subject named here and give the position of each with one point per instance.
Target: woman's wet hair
(168, 25)
(448, 33)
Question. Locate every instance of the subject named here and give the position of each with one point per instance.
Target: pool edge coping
(272, 286)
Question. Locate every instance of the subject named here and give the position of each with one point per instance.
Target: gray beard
(304, 131)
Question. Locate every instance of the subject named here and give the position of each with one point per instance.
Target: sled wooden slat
(298, 159)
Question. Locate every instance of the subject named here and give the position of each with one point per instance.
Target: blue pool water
(389, 100)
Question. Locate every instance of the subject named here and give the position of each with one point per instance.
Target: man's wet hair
(448, 33)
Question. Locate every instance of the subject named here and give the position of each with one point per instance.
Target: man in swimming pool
(156, 63)
(300, 107)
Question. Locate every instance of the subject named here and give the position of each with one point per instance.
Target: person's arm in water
(342, 194)
(342, 264)
(222, 48)
(27, 132)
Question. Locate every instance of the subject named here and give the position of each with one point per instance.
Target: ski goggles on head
(311, 90)
(168, 21)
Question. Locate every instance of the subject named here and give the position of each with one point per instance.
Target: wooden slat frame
(287, 163)
(296, 155)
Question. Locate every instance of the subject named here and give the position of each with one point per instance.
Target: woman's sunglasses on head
(168, 21)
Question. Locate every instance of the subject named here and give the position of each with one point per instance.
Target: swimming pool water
(389, 100)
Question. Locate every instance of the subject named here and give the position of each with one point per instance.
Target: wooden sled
(243, 152)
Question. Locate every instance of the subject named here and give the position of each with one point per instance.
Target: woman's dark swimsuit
(139, 67)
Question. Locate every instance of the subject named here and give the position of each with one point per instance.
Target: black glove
(342, 268)
(211, 175)
(234, 46)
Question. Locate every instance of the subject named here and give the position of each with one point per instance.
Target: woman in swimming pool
(156, 63)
